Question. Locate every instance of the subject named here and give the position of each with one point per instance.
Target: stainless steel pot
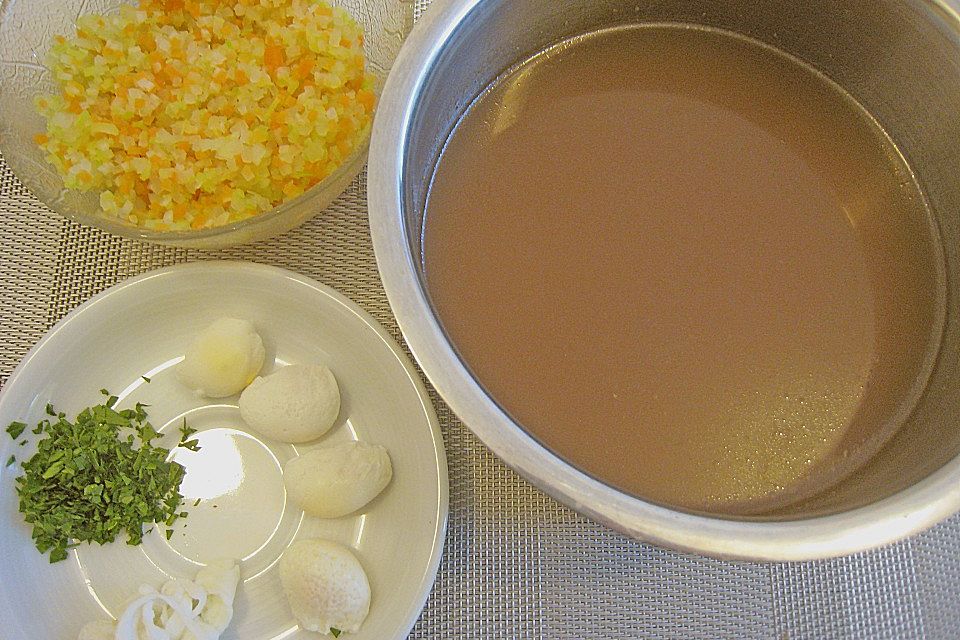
(899, 58)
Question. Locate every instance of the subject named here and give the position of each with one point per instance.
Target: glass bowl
(27, 29)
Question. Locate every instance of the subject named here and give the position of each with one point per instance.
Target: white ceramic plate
(141, 328)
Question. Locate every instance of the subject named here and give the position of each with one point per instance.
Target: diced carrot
(366, 98)
(305, 67)
(147, 43)
(273, 57)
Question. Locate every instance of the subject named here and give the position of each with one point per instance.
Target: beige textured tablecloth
(516, 564)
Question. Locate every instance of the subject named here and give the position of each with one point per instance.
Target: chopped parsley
(335, 632)
(15, 429)
(186, 432)
(97, 477)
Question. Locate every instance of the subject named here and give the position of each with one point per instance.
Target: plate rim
(431, 571)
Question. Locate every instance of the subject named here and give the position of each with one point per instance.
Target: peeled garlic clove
(297, 403)
(223, 359)
(325, 586)
(335, 480)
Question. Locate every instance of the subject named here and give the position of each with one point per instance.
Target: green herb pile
(97, 476)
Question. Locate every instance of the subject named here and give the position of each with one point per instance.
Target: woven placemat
(516, 563)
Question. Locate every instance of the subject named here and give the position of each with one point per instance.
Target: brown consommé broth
(686, 263)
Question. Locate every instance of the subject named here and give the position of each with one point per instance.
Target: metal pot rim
(905, 513)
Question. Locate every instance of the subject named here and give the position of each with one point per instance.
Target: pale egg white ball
(296, 403)
(223, 359)
(325, 585)
(336, 480)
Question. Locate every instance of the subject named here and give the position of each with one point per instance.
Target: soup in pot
(687, 263)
